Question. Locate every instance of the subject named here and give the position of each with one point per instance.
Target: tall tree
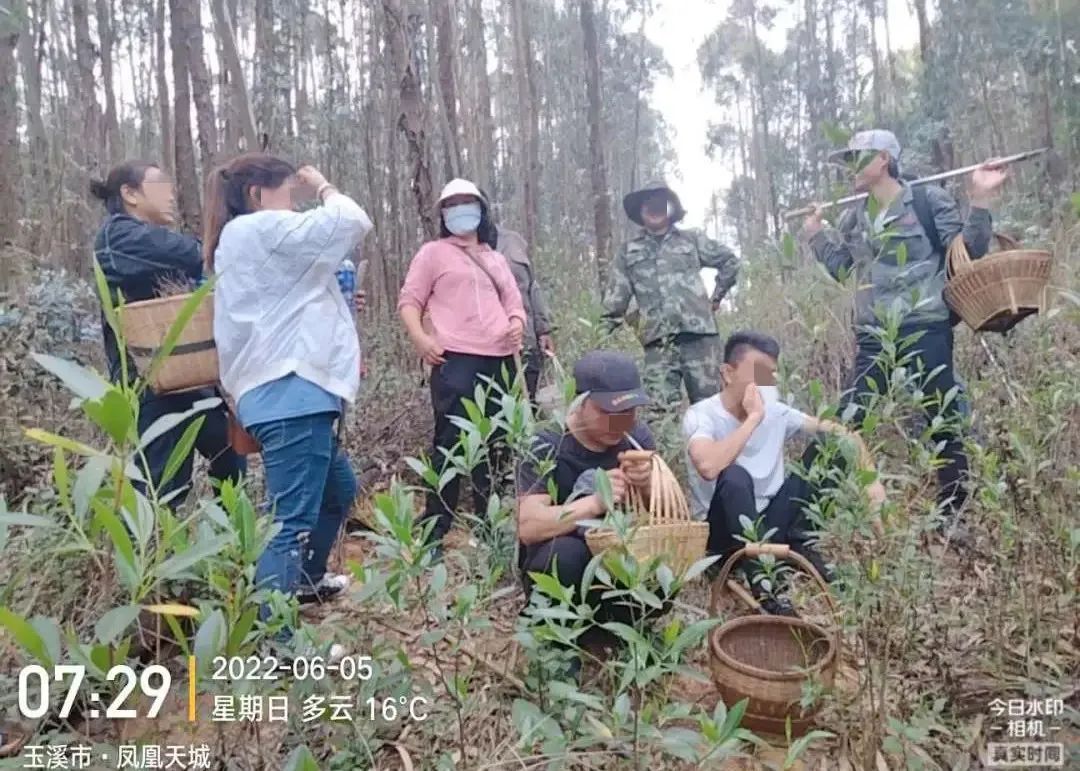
(447, 88)
(411, 118)
(187, 22)
(168, 148)
(187, 178)
(598, 168)
(90, 147)
(9, 146)
(114, 148)
(29, 55)
(528, 114)
(237, 81)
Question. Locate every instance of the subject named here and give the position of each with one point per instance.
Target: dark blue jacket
(136, 258)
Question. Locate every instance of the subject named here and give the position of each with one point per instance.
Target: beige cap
(460, 187)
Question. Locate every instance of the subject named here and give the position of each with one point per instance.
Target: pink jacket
(468, 313)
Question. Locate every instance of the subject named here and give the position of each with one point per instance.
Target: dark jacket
(136, 258)
(895, 265)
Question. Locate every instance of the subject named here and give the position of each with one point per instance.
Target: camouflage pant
(693, 360)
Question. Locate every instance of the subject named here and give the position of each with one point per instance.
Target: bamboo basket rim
(153, 301)
(958, 260)
(828, 658)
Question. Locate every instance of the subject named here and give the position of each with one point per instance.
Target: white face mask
(462, 218)
(770, 394)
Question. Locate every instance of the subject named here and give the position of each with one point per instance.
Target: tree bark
(238, 85)
(924, 30)
(875, 59)
(411, 117)
(528, 114)
(30, 66)
(485, 145)
(187, 179)
(9, 149)
(114, 148)
(168, 150)
(598, 169)
(447, 88)
(188, 19)
(84, 56)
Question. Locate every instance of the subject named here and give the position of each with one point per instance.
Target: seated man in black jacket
(138, 253)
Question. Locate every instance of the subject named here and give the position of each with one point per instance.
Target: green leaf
(111, 413)
(55, 440)
(49, 631)
(211, 637)
(176, 565)
(80, 380)
(240, 630)
(527, 719)
(550, 587)
(182, 450)
(22, 519)
(787, 244)
(301, 759)
(26, 636)
(167, 423)
(62, 477)
(115, 622)
(107, 518)
(682, 743)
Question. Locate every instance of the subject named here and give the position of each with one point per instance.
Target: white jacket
(278, 308)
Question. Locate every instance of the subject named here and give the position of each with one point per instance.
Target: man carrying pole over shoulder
(895, 245)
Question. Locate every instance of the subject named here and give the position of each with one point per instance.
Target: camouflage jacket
(663, 274)
(896, 268)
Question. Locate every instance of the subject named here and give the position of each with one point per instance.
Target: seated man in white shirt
(735, 447)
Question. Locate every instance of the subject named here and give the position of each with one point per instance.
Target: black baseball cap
(611, 380)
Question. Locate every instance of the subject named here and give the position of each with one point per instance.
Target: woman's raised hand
(311, 177)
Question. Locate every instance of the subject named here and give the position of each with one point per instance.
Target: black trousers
(934, 349)
(451, 382)
(568, 555)
(533, 366)
(212, 442)
(734, 499)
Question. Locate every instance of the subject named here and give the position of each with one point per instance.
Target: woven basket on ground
(193, 362)
(768, 659)
(666, 529)
(996, 293)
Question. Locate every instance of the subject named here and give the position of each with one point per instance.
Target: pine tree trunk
(189, 21)
(92, 139)
(924, 30)
(527, 107)
(238, 85)
(485, 146)
(411, 117)
(875, 59)
(447, 88)
(187, 179)
(598, 169)
(114, 148)
(168, 150)
(30, 66)
(9, 149)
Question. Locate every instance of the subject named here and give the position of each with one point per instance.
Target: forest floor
(932, 633)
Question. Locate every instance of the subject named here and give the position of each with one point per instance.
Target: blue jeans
(311, 488)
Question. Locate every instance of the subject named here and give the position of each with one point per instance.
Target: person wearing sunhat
(894, 245)
(660, 269)
(603, 424)
(477, 322)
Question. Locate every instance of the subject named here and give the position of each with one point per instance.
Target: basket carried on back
(768, 659)
(666, 529)
(193, 362)
(997, 292)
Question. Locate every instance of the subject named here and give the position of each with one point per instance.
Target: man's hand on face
(753, 403)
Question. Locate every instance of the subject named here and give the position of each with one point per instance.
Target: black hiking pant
(451, 382)
(734, 498)
(933, 349)
(212, 442)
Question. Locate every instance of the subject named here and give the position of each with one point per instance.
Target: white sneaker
(330, 586)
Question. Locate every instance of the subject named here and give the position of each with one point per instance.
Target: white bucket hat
(460, 187)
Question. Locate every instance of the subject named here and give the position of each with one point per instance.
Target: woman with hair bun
(288, 350)
(477, 320)
(139, 254)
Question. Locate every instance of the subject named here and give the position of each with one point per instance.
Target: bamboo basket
(768, 659)
(667, 530)
(193, 362)
(997, 292)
